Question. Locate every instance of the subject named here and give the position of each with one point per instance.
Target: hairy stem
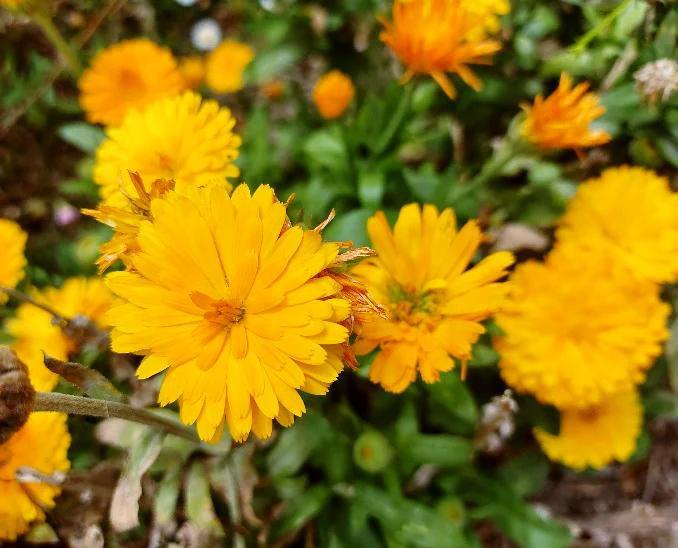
(90, 407)
(23, 297)
(66, 52)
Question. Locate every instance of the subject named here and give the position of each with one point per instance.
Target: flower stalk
(64, 49)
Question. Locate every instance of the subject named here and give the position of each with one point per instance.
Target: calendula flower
(333, 93)
(193, 70)
(630, 213)
(126, 76)
(182, 138)
(578, 328)
(435, 304)
(232, 302)
(487, 13)
(12, 260)
(563, 119)
(435, 37)
(34, 330)
(40, 448)
(598, 435)
(225, 65)
(126, 220)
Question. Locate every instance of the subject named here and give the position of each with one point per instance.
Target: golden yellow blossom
(34, 332)
(12, 260)
(193, 70)
(435, 37)
(435, 304)
(225, 65)
(578, 328)
(231, 301)
(563, 119)
(487, 13)
(183, 138)
(129, 75)
(40, 445)
(630, 213)
(598, 435)
(332, 94)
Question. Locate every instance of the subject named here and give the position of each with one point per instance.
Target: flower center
(412, 306)
(130, 83)
(220, 311)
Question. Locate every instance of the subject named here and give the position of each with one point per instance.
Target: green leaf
(199, 507)
(300, 510)
(270, 64)
(438, 449)
(124, 511)
(167, 494)
(295, 445)
(326, 148)
(629, 19)
(542, 416)
(451, 405)
(90, 381)
(82, 136)
(525, 474)
(371, 185)
(669, 149)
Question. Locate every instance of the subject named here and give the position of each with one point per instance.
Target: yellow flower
(42, 445)
(12, 260)
(435, 304)
(125, 76)
(232, 301)
(34, 331)
(438, 36)
(595, 436)
(126, 221)
(225, 65)
(332, 93)
(193, 70)
(578, 328)
(487, 13)
(562, 120)
(631, 213)
(181, 138)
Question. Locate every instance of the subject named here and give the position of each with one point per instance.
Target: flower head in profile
(126, 220)
(434, 301)
(41, 445)
(436, 37)
(332, 94)
(578, 328)
(129, 75)
(181, 138)
(225, 65)
(630, 213)
(232, 301)
(34, 330)
(596, 436)
(563, 119)
(193, 70)
(12, 260)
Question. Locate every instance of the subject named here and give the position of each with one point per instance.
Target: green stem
(581, 44)
(64, 49)
(394, 123)
(91, 407)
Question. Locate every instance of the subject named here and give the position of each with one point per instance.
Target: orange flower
(562, 119)
(332, 94)
(193, 70)
(438, 36)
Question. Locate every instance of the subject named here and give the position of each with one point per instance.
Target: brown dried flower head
(16, 394)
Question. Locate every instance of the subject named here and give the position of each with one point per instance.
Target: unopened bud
(372, 452)
(16, 394)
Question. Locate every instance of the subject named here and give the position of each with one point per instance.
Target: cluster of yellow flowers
(582, 328)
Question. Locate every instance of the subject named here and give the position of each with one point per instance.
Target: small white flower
(658, 79)
(206, 34)
(186, 2)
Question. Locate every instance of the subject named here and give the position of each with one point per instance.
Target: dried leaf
(124, 513)
(90, 381)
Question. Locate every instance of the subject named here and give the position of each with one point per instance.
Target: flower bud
(16, 394)
(372, 452)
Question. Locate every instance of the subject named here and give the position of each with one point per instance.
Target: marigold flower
(34, 331)
(193, 70)
(435, 304)
(578, 328)
(631, 213)
(563, 119)
(129, 75)
(41, 445)
(597, 435)
(182, 138)
(487, 13)
(332, 94)
(438, 36)
(12, 244)
(225, 65)
(233, 302)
